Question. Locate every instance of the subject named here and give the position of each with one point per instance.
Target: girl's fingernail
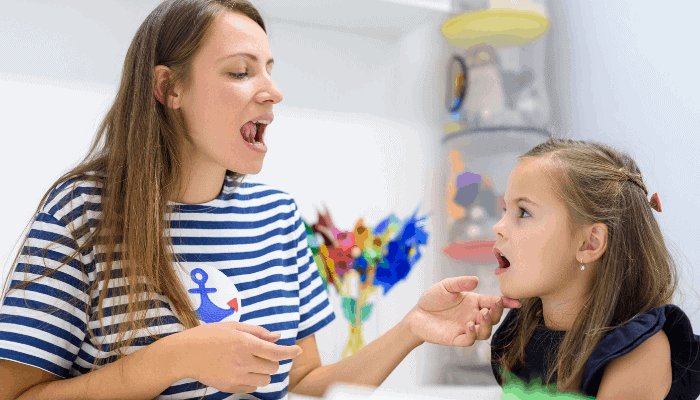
(499, 303)
(471, 328)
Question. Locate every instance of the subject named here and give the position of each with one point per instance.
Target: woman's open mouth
(253, 134)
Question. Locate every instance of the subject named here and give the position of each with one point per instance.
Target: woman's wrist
(173, 356)
(143, 374)
(407, 331)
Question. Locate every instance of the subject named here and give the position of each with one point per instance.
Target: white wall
(634, 85)
(47, 127)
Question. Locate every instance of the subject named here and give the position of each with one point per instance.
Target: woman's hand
(449, 314)
(232, 357)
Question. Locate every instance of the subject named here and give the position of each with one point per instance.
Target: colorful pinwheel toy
(360, 261)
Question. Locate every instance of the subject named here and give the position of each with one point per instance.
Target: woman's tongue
(248, 132)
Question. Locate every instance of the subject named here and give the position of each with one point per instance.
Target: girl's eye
(521, 214)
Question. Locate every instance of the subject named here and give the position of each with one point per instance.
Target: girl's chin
(517, 294)
(510, 292)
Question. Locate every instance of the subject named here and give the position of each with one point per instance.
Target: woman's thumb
(260, 332)
(264, 334)
(272, 337)
(460, 284)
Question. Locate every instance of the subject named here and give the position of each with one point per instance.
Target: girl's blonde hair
(139, 166)
(599, 185)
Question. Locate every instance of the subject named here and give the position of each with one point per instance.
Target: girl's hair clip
(655, 202)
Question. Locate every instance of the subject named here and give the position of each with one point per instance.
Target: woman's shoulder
(252, 189)
(258, 193)
(65, 196)
(654, 330)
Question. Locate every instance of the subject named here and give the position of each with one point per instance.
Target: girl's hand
(232, 357)
(448, 311)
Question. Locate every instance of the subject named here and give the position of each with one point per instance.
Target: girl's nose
(498, 228)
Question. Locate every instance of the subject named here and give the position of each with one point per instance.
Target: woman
(158, 218)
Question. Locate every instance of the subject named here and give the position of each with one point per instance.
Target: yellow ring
(496, 27)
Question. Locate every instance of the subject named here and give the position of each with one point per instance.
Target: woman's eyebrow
(248, 55)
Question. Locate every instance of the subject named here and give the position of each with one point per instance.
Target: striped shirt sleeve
(315, 310)
(43, 324)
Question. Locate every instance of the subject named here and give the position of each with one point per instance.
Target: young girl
(581, 247)
(101, 299)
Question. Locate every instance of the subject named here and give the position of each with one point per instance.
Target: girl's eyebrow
(248, 55)
(525, 199)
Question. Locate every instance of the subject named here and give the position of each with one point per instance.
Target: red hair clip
(655, 202)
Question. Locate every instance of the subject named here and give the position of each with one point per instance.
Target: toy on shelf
(496, 75)
(358, 262)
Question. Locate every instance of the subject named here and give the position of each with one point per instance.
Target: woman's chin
(248, 169)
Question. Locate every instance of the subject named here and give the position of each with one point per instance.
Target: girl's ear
(162, 74)
(593, 248)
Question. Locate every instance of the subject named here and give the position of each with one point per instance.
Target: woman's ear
(162, 74)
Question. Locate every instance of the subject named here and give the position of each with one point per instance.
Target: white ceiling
(86, 40)
(388, 19)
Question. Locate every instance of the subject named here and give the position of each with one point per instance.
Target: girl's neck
(560, 315)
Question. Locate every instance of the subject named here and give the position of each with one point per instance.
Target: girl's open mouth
(503, 264)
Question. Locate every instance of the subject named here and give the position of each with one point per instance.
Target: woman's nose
(274, 92)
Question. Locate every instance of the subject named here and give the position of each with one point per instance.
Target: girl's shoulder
(500, 339)
(506, 329)
(644, 372)
(684, 347)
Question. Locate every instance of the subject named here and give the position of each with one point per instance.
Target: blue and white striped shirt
(245, 256)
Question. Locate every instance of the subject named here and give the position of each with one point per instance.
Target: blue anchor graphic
(208, 311)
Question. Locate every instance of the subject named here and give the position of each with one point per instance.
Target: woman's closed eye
(521, 214)
(239, 76)
(242, 75)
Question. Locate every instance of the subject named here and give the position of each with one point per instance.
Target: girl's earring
(582, 267)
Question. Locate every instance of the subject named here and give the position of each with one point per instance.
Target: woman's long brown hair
(137, 156)
(599, 184)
